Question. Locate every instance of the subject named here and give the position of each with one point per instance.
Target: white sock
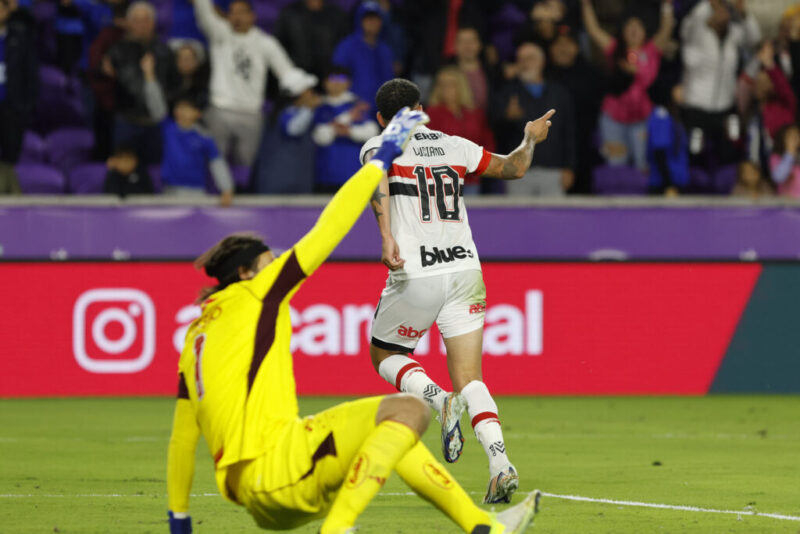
(483, 415)
(408, 376)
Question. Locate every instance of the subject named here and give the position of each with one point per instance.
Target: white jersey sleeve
(474, 155)
(371, 144)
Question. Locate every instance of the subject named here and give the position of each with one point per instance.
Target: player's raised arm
(516, 164)
(346, 207)
(180, 462)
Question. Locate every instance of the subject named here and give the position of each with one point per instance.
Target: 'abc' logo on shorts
(408, 331)
(114, 330)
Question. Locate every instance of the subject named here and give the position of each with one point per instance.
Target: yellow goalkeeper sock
(379, 454)
(431, 481)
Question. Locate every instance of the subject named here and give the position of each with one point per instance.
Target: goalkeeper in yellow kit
(236, 387)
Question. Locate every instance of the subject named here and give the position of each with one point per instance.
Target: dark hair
(220, 253)
(779, 143)
(394, 95)
(187, 99)
(121, 149)
(248, 3)
(334, 70)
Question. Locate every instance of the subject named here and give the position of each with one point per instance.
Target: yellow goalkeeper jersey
(236, 380)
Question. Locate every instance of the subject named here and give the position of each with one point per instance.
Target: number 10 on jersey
(445, 189)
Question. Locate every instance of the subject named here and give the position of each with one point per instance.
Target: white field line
(672, 507)
(680, 508)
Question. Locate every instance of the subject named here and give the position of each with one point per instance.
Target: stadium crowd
(190, 97)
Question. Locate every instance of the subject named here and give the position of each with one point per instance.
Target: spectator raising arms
(714, 34)
(633, 63)
(784, 162)
(240, 56)
(365, 54)
(528, 96)
(452, 110)
(341, 125)
(133, 124)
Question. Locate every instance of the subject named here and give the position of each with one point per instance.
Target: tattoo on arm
(375, 202)
(514, 165)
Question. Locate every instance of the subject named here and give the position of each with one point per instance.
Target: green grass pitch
(98, 465)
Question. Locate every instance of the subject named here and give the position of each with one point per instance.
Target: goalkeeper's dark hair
(394, 95)
(220, 255)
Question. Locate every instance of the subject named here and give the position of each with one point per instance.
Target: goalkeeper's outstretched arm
(349, 202)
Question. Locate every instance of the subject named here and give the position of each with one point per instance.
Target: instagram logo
(114, 330)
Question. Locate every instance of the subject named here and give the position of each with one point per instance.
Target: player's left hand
(390, 255)
(182, 525)
(539, 128)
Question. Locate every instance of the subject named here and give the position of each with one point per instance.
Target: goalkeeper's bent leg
(431, 481)
(388, 442)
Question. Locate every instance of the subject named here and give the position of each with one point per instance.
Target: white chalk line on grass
(579, 498)
(672, 507)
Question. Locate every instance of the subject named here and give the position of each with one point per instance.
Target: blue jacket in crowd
(369, 66)
(337, 156)
(667, 147)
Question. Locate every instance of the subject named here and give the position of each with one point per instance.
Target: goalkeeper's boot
(452, 437)
(517, 518)
(502, 486)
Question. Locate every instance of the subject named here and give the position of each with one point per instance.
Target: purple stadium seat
(57, 112)
(87, 179)
(699, 181)
(509, 18)
(40, 179)
(45, 12)
(155, 178)
(33, 148)
(52, 77)
(69, 147)
(725, 179)
(241, 176)
(619, 180)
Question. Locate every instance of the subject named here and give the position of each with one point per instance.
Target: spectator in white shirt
(714, 35)
(240, 53)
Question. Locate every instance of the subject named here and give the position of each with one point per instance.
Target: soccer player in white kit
(435, 274)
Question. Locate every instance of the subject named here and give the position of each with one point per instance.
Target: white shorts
(408, 308)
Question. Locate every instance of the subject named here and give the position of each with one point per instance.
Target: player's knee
(405, 409)
(377, 355)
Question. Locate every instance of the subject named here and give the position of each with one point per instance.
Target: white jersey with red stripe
(428, 217)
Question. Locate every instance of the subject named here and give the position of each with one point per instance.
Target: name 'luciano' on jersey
(428, 151)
